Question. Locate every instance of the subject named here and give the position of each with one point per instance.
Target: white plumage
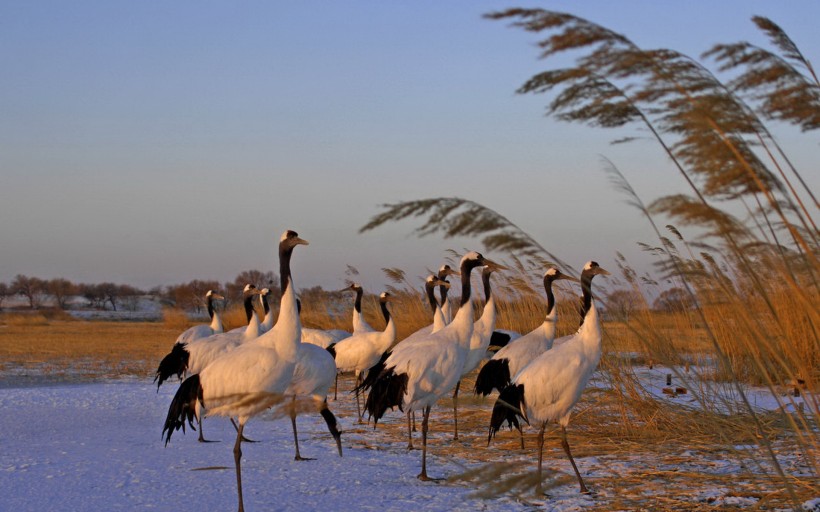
(548, 388)
(323, 338)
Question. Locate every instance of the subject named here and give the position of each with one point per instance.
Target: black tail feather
(386, 392)
(183, 407)
(499, 339)
(493, 375)
(174, 363)
(373, 374)
(509, 408)
(332, 349)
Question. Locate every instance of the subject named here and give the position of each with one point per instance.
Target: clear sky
(151, 143)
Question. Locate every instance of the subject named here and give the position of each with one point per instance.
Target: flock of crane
(244, 372)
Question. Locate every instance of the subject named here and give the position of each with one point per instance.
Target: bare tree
(5, 292)
(61, 289)
(674, 300)
(233, 291)
(32, 288)
(620, 304)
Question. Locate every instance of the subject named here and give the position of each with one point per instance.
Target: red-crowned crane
(548, 388)
(205, 330)
(251, 378)
(361, 351)
(417, 374)
(479, 341)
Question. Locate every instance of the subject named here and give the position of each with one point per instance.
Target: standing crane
(549, 387)
(251, 378)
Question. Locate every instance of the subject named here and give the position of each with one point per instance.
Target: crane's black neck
(385, 311)
(358, 304)
(285, 252)
(466, 288)
(485, 278)
(431, 295)
(298, 306)
(550, 296)
(265, 303)
(249, 306)
(210, 303)
(586, 297)
(442, 274)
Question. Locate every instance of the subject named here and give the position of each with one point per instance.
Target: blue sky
(151, 143)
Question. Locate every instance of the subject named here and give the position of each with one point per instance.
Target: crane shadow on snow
(497, 479)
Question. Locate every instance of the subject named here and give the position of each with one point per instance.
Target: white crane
(359, 323)
(205, 330)
(254, 326)
(361, 351)
(499, 370)
(438, 322)
(479, 341)
(250, 379)
(430, 285)
(267, 322)
(549, 387)
(443, 272)
(417, 374)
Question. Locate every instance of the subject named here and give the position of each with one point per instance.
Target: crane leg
(201, 435)
(539, 490)
(244, 439)
(455, 411)
(358, 407)
(409, 431)
(565, 445)
(424, 424)
(237, 458)
(296, 438)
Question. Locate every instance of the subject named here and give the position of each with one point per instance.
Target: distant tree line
(62, 293)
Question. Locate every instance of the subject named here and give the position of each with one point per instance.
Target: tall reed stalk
(751, 281)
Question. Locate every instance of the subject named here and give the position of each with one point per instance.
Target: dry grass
(636, 454)
(104, 349)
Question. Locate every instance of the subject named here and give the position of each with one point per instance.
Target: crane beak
(216, 296)
(300, 241)
(442, 282)
(493, 265)
(603, 272)
(569, 278)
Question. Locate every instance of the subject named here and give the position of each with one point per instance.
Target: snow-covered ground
(97, 446)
